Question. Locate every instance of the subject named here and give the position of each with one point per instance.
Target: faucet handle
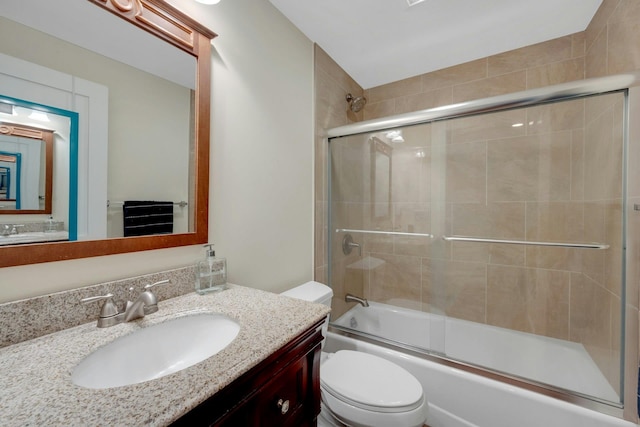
(109, 309)
(152, 305)
(161, 282)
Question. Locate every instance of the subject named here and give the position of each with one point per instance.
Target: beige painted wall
(157, 108)
(261, 215)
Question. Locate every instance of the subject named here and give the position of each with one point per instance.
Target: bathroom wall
(545, 305)
(261, 200)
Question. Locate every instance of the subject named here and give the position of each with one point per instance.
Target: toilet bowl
(360, 389)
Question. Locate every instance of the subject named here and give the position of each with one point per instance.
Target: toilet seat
(370, 382)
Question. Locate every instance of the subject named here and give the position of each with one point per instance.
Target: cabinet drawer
(281, 401)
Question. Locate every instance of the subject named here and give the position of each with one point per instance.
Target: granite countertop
(35, 375)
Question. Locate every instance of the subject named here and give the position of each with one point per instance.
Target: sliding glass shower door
(494, 239)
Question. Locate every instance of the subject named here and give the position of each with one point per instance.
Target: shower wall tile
(593, 261)
(492, 86)
(594, 322)
(577, 165)
(423, 100)
(529, 300)
(627, 10)
(337, 75)
(623, 43)
(350, 170)
(603, 157)
(555, 117)
(497, 220)
(394, 90)
(487, 127)
(529, 168)
(458, 289)
(556, 73)
(406, 170)
(497, 254)
(466, 176)
(590, 313)
(375, 110)
(578, 45)
(396, 280)
(599, 21)
(555, 50)
(595, 63)
(458, 74)
(332, 100)
(555, 222)
(597, 106)
(412, 218)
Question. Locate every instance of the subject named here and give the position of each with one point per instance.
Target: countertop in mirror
(34, 237)
(35, 375)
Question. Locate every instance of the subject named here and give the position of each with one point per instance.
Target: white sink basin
(156, 351)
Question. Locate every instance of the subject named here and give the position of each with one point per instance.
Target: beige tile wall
(539, 285)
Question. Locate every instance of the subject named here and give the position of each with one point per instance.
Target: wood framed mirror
(36, 146)
(176, 29)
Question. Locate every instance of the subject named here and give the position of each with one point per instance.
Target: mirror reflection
(26, 158)
(380, 178)
(135, 98)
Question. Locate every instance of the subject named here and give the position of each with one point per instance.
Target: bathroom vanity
(283, 390)
(268, 375)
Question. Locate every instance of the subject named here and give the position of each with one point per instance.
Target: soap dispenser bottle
(50, 225)
(211, 273)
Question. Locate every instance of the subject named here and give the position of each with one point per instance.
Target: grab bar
(393, 233)
(525, 242)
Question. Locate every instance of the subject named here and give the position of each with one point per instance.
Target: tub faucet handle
(348, 244)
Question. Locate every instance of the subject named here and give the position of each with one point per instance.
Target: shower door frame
(534, 97)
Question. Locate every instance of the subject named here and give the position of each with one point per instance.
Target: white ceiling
(382, 41)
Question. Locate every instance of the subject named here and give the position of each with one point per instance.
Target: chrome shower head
(356, 103)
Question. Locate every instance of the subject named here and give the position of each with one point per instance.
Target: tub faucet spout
(353, 298)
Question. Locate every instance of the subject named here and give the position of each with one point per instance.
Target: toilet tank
(313, 292)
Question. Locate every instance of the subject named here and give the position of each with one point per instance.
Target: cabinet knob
(283, 405)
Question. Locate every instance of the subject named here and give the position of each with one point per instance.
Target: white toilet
(360, 389)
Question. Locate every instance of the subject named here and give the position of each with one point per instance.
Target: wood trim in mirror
(45, 136)
(171, 25)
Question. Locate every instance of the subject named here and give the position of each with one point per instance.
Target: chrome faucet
(146, 303)
(6, 230)
(353, 298)
(110, 315)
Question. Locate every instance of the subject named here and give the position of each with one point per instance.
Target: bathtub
(458, 398)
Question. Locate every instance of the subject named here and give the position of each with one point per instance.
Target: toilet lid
(370, 382)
